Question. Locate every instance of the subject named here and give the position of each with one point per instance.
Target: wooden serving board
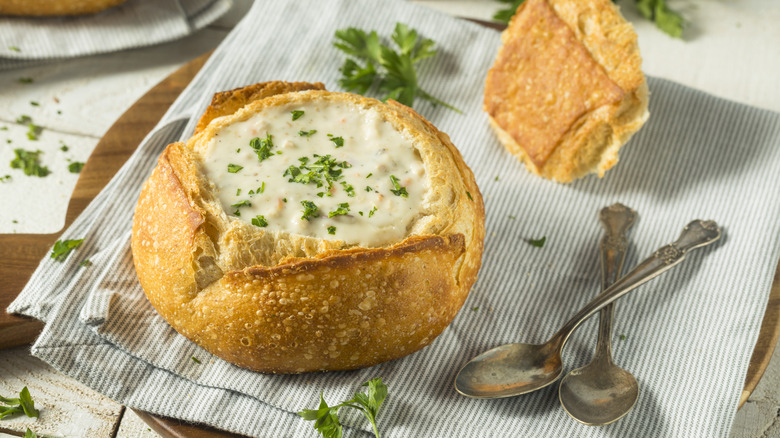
(21, 253)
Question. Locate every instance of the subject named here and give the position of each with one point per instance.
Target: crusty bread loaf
(285, 303)
(51, 8)
(566, 90)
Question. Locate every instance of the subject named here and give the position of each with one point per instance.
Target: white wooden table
(731, 49)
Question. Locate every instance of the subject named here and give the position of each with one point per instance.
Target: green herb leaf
(23, 119)
(64, 148)
(668, 21)
(331, 230)
(195, 359)
(27, 403)
(14, 49)
(310, 210)
(348, 188)
(233, 168)
(398, 190)
(62, 248)
(369, 189)
(469, 195)
(307, 133)
(75, 167)
(259, 221)
(537, 242)
(30, 434)
(28, 162)
(23, 404)
(34, 103)
(25, 80)
(262, 147)
(342, 210)
(5, 178)
(326, 420)
(296, 114)
(398, 78)
(85, 263)
(338, 141)
(373, 210)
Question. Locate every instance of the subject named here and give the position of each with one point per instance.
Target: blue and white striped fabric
(688, 334)
(137, 23)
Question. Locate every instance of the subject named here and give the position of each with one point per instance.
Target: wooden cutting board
(21, 253)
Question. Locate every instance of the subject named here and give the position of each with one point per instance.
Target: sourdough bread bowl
(303, 230)
(566, 91)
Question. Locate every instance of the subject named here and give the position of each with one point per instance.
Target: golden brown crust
(566, 90)
(289, 304)
(228, 102)
(50, 8)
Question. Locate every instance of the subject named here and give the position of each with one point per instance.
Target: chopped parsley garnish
(369, 175)
(398, 190)
(324, 170)
(307, 133)
(5, 178)
(469, 195)
(28, 162)
(85, 263)
(237, 205)
(33, 131)
(64, 148)
(195, 359)
(25, 80)
(348, 188)
(23, 119)
(622, 337)
(262, 147)
(310, 210)
(238, 192)
(34, 103)
(75, 167)
(259, 221)
(14, 49)
(338, 141)
(23, 404)
(496, 177)
(537, 242)
(62, 248)
(373, 210)
(342, 210)
(369, 189)
(512, 217)
(233, 168)
(261, 189)
(331, 230)
(296, 114)
(326, 419)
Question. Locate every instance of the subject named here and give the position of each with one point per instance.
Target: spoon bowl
(510, 370)
(599, 393)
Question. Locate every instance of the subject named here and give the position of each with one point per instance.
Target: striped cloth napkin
(136, 23)
(687, 336)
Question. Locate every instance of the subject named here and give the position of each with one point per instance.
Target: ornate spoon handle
(696, 234)
(616, 219)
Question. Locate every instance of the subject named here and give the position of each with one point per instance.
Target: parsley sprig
(28, 162)
(391, 72)
(669, 21)
(62, 248)
(23, 404)
(326, 417)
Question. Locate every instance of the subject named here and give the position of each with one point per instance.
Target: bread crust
(282, 303)
(566, 90)
(51, 8)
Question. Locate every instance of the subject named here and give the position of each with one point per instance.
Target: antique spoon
(515, 369)
(602, 392)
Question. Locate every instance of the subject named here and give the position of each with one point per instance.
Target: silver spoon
(515, 369)
(602, 392)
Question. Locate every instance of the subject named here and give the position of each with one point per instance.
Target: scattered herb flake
(331, 230)
(233, 168)
(373, 210)
(512, 217)
(237, 205)
(62, 248)
(64, 148)
(369, 189)
(195, 359)
(262, 147)
(338, 141)
(369, 175)
(398, 190)
(496, 177)
(238, 192)
(307, 133)
(34, 103)
(538, 242)
(469, 195)
(259, 221)
(310, 210)
(475, 308)
(23, 119)
(296, 114)
(33, 131)
(348, 188)
(85, 263)
(342, 210)
(622, 337)
(28, 162)
(75, 167)
(25, 80)
(5, 178)
(14, 49)
(261, 189)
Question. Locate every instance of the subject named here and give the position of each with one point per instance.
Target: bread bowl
(566, 90)
(51, 8)
(285, 295)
